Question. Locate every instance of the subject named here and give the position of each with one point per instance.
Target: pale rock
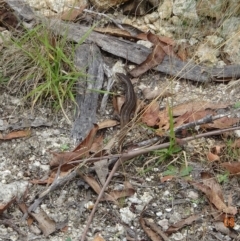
(176, 20)
(163, 223)
(159, 214)
(127, 21)
(166, 193)
(151, 26)
(232, 48)
(162, 31)
(37, 5)
(165, 10)
(53, 7)
(234, 7)
(177, 236)
(220, 64)
(237, 133)
(146, 197)
(135, 199)
(152, 17)
(5, 37)
(11, 190)
(35, 229)
(236, 227)
(193, 41)
(143, 28)
(6, 174)
(146, 19)
(168, 210)
(120, 228)
(118, 67)
(214, 40)
(211, 8)
(207, 54)
(44, 168)
(193, 195)
(230, 25)
(185, 9)
(175, 217)
(139, 21)
(194, 204)
(126, 215)
(89, 205)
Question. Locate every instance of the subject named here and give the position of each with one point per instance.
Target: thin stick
(130, 155)
(99, 197)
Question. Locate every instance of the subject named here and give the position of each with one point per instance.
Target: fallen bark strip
(89, 61)
(137, 54)
(133, 52)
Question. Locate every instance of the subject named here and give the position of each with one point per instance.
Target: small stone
(177, 236)
(165, 10)
(232, 47)
(126, 215)
(185, 9)
(135, 199)
(145, 43)
(166, 193)
(151, 26)
(206, 54)
(168, 210)
(163, 223)
(214, 40)
(152, 17)
(237, 133)
(230, 25)
(89, 205)
(176, 21)
(146, 197)
(146, 20)
(159, 214)
(193, 41)
(193, 195)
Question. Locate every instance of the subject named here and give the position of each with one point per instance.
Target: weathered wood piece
(88, 60)
(133, 52)
(22, 9)
(137, 54)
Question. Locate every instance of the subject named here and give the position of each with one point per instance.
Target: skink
(129, 105)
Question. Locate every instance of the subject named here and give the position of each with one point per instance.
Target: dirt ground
(166, 203)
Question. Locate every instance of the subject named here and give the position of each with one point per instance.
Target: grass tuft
(44, 69)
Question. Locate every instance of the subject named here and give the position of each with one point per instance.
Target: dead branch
(133, 52)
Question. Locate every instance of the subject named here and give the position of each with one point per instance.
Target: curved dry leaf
(73, 13)
(179, 225)
(232, 167)
(212, 157)
(223, 123)
(164, 121)
(15, 134)
(107, 123)
(211, 182)
(215, 199)
(154, 58)
(196, 106)
(151, 115)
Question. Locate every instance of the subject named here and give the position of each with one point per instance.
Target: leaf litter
(209, 187)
